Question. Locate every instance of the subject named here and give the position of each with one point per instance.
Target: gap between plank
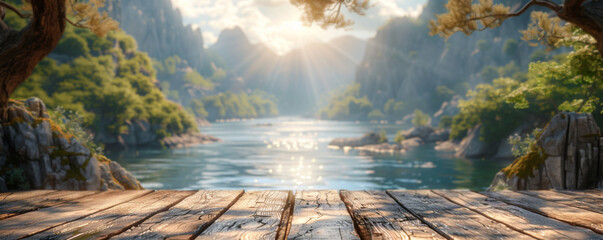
(211, 221)
(347, 207)
(420, 218)
(45, 206)
(147, 217)
(286, 217)
(29, 235)
(493, 219)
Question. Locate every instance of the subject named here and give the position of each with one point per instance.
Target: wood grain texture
(453, 220)
(522, 220)
(117, 219)
(36, 202)
(186, 219)
(568, 214)
(14, 196)
(321, 215)
(256, 215)
(37, 221)
(584, 201)
(378, 216)
(594, 193)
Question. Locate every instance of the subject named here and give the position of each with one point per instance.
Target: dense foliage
(107, 81)
(420, 118)
(230, 105)
(349, 105)
(569, 83)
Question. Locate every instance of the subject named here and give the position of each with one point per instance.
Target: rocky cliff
(403, 62)
(300, 78)
(159, 31)
(36, 153)
(141, 134)
(568, 155)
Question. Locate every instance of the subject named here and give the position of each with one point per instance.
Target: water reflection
(293, 154)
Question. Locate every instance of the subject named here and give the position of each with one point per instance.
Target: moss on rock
(524, 166)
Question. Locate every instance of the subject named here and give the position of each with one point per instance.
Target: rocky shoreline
(140, 134)
(567, 155)
(36, 153)
(188, 140)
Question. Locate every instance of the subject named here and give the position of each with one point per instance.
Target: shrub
(445, 122)
(382, 136)
(399, 137)
(420, 119)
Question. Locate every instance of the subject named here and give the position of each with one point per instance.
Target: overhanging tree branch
(14, 9)
(21, 51)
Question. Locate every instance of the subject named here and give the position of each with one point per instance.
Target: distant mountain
(159, 31)
(300, 78)
(350, 46)
(252, 63)
(403, 62)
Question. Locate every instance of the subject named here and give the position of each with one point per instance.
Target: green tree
(26, 47)
(510, 47)
(382, 136)
(194, 78)
(376, 115)
(420, 119)
(468, 16)
(328, 12)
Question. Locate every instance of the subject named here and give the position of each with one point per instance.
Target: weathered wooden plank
(321, 215)
(584, 201)
(46, 218)
(186, 219)
(378, 216)
(592, 192)
(569, 214)
(452, 219)
(52, 198)
(117, 219)
(592, 196)
(15, 196)
(256, 215)
(522, 220)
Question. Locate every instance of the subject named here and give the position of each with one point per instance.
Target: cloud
(192, 8)
(390, 8)
(271, 3)
(277, 23)
(209, 38)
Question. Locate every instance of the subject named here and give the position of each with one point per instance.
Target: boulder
(505, 150)
(447, 146)
(382, 148)
(438, 136)
(3, 187)
(412, 143)
(472, 147)
(566, 156)
(37, 154)
(449, 108)
(368, 139)
(422, 132)
(188, 140)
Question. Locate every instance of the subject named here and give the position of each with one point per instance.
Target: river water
(292, 153)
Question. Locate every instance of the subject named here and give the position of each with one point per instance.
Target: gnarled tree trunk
(20, 51)
(587, 15)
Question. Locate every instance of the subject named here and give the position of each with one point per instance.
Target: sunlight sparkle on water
(293, 153)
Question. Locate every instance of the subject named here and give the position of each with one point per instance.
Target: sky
(277, 23)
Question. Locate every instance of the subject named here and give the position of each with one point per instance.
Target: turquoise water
(292, 153)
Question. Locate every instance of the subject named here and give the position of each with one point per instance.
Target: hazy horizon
(277, 24)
